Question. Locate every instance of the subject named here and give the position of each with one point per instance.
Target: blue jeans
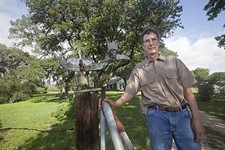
(164, 126)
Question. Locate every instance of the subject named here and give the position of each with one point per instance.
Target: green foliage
(218, 79)
(209, 85)
(205, 91)
(60, 113)
(51, 88)
(221, 40)
(214, 8)
(214, 107)
(18, 96)
(10, 58)
(204, 85)
(201, 74)
(59, 28)
(218, 76)
(21, 74)
(13, 90)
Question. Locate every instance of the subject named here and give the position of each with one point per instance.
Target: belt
(169, 108)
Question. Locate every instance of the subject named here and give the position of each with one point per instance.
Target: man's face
(150, 45)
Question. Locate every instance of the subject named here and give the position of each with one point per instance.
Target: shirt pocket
(148, 81)
(173, 81)
(149, 84)
(171, 75)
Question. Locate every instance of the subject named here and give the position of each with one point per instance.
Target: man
(165, 84)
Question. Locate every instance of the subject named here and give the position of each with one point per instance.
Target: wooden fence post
(87, 121)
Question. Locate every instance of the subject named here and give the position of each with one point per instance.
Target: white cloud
(204, 53)
(9, 10)
(4, 29)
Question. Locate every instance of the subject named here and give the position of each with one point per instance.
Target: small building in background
(118, 84)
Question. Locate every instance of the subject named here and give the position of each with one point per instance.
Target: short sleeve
(133, 83)
(186, 78)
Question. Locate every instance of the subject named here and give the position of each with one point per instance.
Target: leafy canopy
(59, 28)
(214, 8)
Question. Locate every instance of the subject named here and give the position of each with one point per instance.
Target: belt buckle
(174, 109)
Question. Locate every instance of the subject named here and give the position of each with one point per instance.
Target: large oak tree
(56, 28)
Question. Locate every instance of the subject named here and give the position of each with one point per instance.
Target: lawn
(215, 107)
(45, 122)
(32, 124)
(42, 123)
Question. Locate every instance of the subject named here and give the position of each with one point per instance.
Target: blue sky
(195, 21)
(194, 44)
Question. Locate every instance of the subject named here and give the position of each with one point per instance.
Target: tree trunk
(65, 90)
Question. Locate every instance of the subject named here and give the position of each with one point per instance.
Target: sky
(195, 44)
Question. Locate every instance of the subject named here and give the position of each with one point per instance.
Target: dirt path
(213, 122)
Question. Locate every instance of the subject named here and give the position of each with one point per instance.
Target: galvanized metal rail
(120, 139)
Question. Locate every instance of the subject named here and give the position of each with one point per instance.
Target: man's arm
(196, 119)
(123, 99)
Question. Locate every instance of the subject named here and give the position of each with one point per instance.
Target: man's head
(148, 31)
(150, 42)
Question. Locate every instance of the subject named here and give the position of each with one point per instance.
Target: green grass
(215, 107)
(133, 120)
(31, 125)
(42, 123)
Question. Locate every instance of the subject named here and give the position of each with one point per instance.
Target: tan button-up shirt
(161, 81)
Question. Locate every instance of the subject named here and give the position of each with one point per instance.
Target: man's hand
(199, 130)
(196, 118)
(111, 103)
(114, 104)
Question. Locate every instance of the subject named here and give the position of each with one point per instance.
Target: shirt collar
(149, 61)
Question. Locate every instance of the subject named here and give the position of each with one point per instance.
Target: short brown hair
(148, 31)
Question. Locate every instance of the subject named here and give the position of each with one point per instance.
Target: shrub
(28, 88)
(205, 90)
(18, 96)
(12, 89)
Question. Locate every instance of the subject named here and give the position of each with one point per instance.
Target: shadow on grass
(59, 136)
(215, 107)
(134, 122)
(1, 133)
(48, 97)
(62, 136)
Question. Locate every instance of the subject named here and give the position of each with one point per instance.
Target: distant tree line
(209, 85)
(56, 29)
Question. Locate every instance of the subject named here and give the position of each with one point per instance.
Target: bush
(28, 88)
(12, 89)
(19, 96)
(205, 91)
